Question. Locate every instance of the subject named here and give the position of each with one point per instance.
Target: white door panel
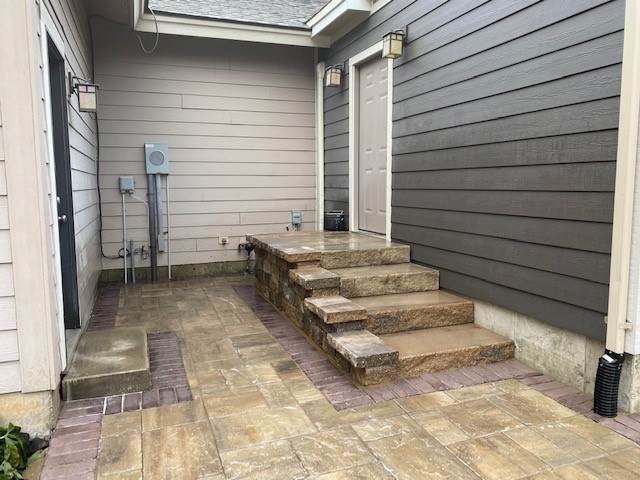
(372, 145)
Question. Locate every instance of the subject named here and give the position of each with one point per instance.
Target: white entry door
(372, 145)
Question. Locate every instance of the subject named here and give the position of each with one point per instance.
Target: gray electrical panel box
(296, 217)
(157, 158)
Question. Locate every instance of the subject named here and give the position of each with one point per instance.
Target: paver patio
(255, 414)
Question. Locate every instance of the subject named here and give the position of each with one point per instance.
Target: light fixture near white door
(355, 63)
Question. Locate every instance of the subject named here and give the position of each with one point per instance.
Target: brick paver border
(342, 393)
(73, 450)
(105, 308)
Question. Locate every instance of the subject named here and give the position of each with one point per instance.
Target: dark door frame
(64, 192)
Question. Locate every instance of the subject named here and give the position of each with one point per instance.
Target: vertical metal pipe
(153, 227)
(168, 229)
(124, 238)
(160, 228)
(133, 263)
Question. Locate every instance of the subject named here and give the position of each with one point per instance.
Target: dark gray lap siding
(505, 124)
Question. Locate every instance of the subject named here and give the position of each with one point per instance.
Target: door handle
(62, 218)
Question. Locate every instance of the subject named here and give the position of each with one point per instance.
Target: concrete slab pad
(109, 362)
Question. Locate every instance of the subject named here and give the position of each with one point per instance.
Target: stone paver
(260, 410)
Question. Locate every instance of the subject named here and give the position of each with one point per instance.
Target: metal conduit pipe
(153, 226)
(124, 238)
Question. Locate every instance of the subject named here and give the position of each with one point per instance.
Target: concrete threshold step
(108, 362)
(362, 255)
(442, 348)
(414, 311)
(386, 279)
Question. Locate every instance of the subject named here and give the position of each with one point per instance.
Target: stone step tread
(404, 301)
(443, 348)
(442, 340)
(312, 278)
(362, 348)
(395, 269)
(386, 279)
(403, 312)
(335, 309)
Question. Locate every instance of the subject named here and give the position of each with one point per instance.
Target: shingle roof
(282, 13)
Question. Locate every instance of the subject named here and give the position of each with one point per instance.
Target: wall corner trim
(625, 181)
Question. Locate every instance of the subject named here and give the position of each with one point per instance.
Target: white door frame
(354, 62)
(48, 30)
(319, 145)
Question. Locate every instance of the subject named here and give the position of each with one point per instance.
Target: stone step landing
(442, 348)
(414, 311)
(386, 279)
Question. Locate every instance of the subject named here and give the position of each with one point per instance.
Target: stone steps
(375, 314)
(443, 348)
(414, 311)
(367, 281)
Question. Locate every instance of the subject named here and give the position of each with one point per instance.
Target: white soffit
(337, 15)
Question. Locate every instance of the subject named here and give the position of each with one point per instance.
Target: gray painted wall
(504, 143)
(239, 119)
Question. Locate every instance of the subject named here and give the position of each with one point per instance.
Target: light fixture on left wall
(87, 93)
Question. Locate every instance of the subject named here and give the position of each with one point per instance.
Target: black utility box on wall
(334, 221)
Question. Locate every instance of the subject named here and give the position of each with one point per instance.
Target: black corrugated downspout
(605, 397)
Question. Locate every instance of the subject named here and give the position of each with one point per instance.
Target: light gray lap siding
(505, 123)
(239, 119)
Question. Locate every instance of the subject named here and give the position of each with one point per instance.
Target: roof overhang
(338, 16)
(144, 21)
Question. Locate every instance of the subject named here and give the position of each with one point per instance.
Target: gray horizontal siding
(239, 119)
(505, 124)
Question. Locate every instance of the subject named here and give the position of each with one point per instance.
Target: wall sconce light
(393, 43)
(87, 93)
(333, 76)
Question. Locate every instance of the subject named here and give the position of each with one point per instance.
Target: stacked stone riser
(418, 318)
(364, 258)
